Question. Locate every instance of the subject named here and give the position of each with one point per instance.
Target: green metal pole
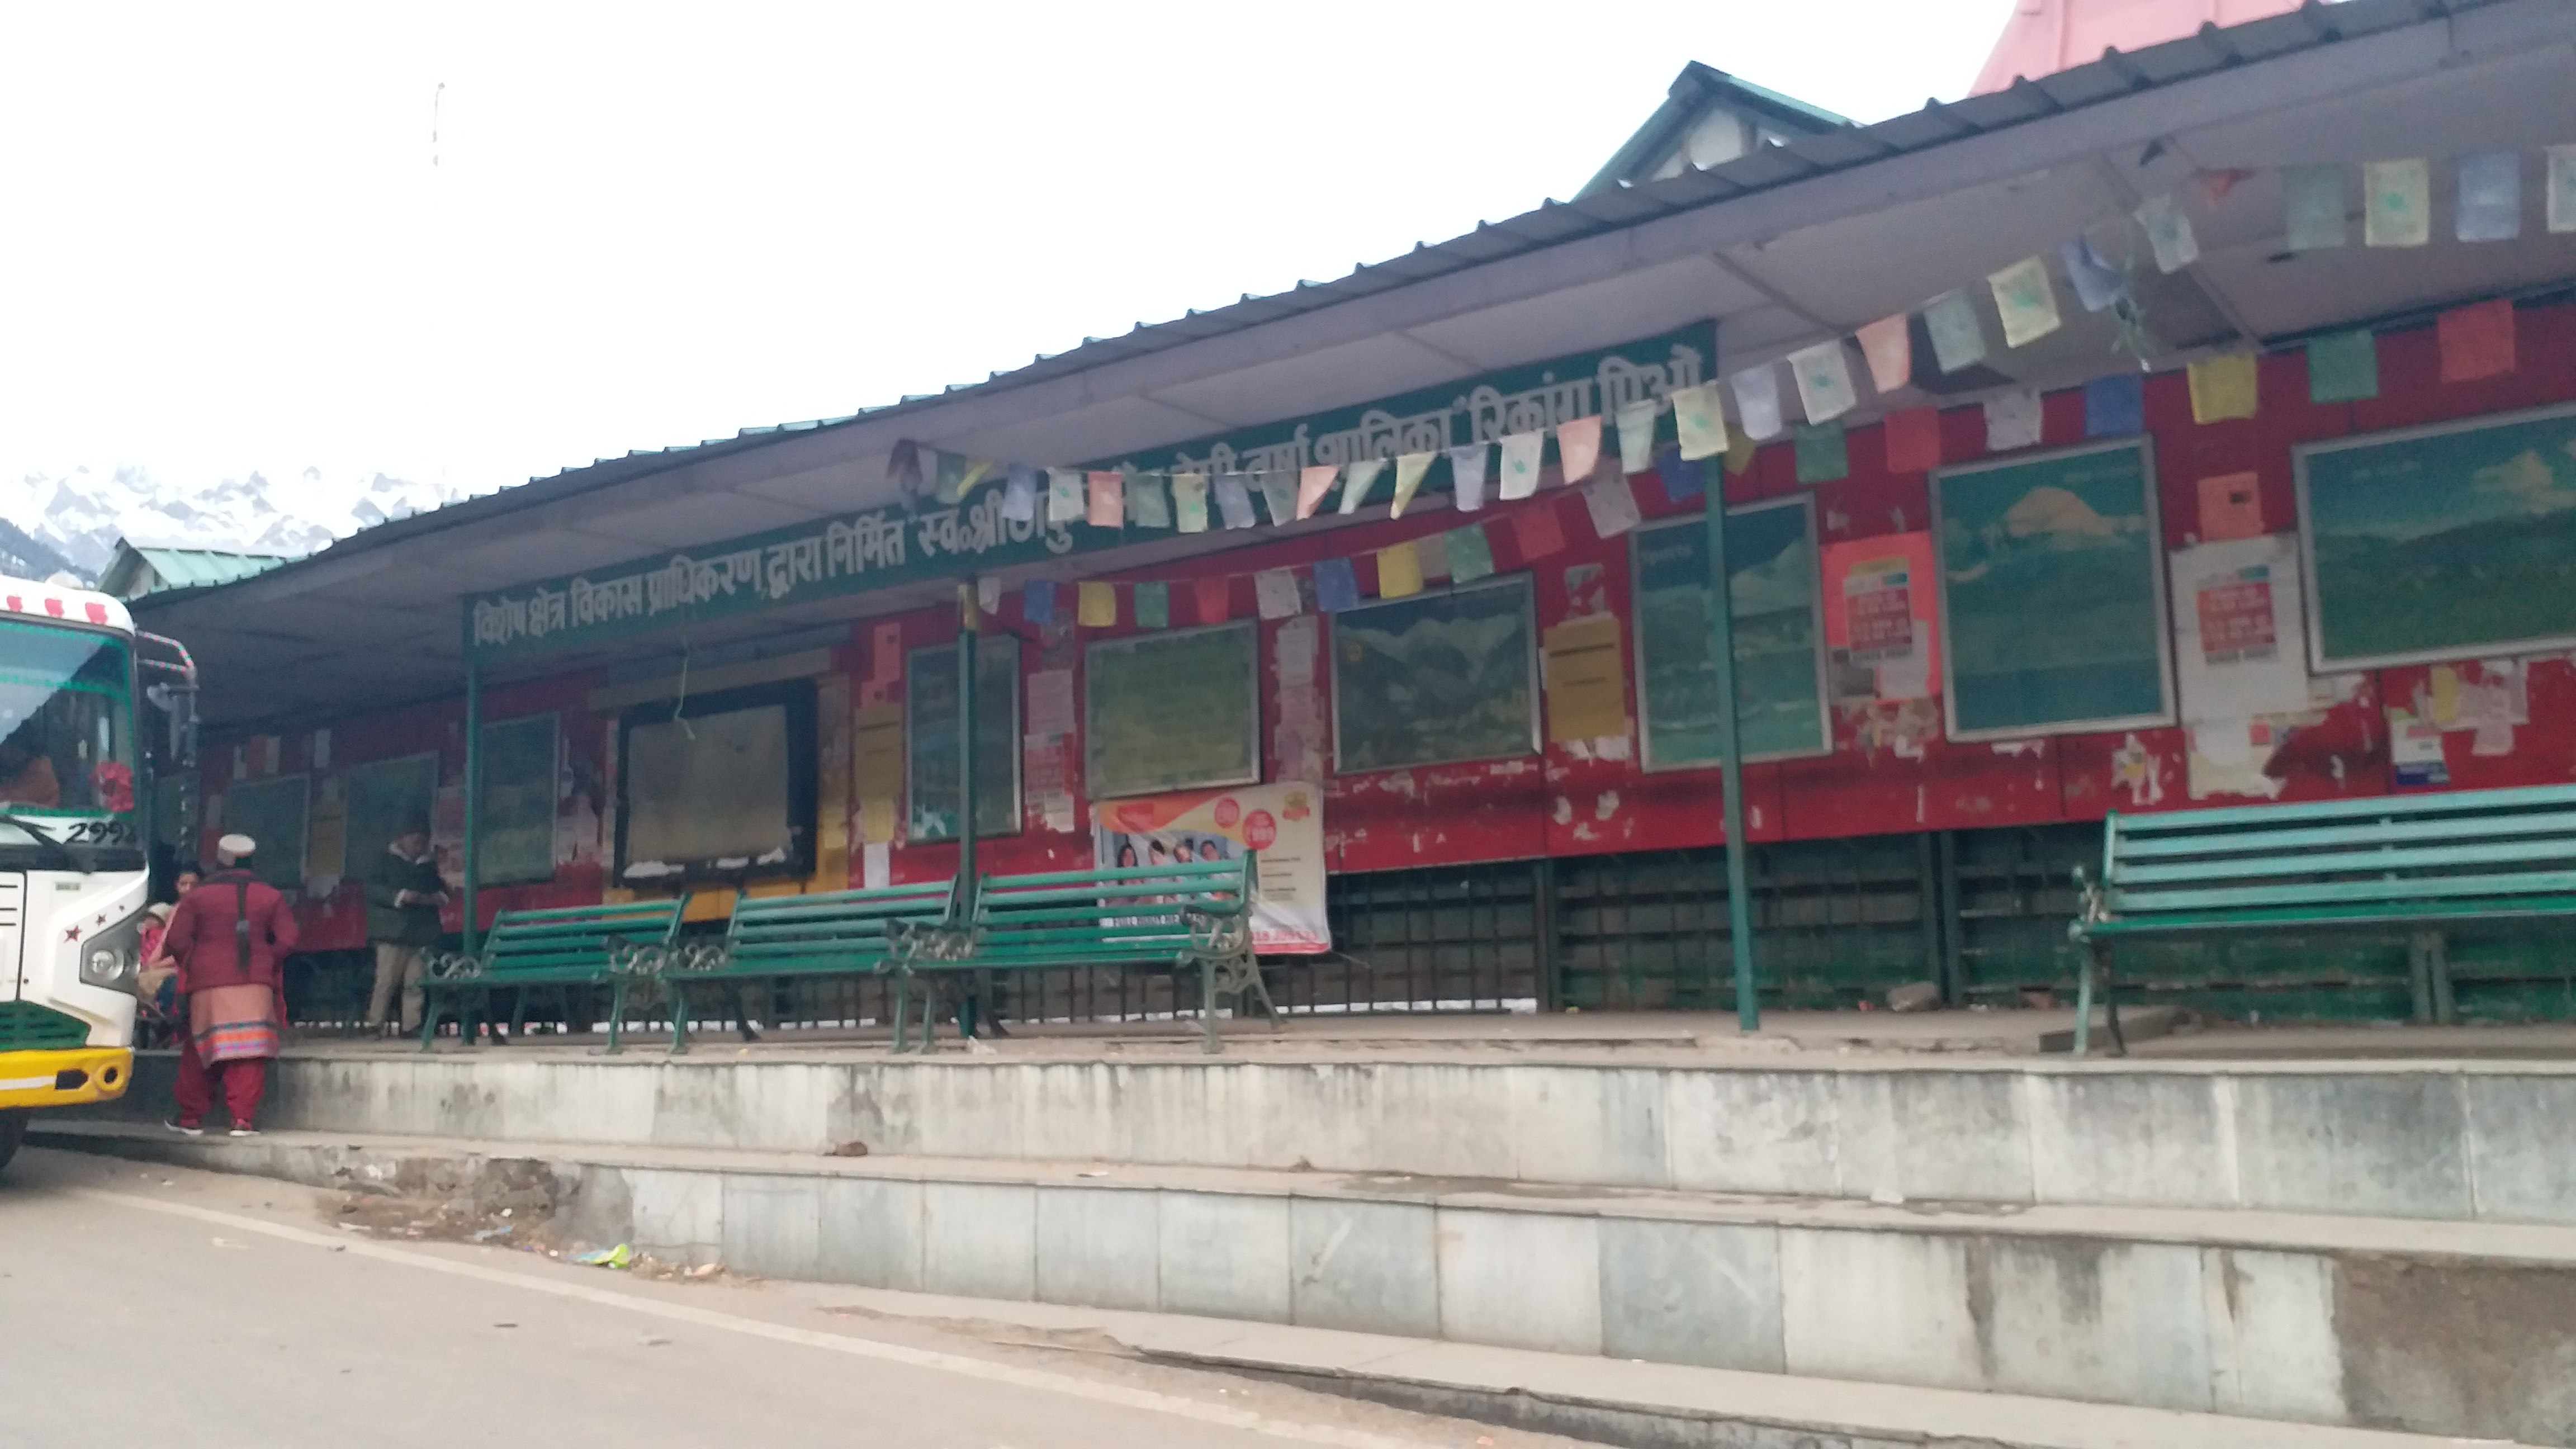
(966, 732)
(1721, 646)
(473, 796)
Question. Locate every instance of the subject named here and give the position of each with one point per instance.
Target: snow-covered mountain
(81, 514)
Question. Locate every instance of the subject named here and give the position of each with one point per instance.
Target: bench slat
(2347, 892)
(2390, 913)
(2256, 842)
(2331, 862)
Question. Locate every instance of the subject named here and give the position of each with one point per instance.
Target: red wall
(1568, 803)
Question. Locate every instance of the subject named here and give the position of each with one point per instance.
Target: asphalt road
(148, 1305)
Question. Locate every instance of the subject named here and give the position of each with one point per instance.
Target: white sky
(224, 246)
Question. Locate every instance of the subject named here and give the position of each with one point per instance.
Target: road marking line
(1041, 1380)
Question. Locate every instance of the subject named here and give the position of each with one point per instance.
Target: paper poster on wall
(1282, 824)
(2238, 622)
(2415, 750)
(2449, 541)
(1880, 636)
(2052, 594)
(877, 768)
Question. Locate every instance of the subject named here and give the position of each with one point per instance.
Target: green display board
(930, 739)
(383, 796)
(275, 814)
(1436, 678)
(1172, 711)
(1779, 636)
(516, 820)
(2439, 542)
(2052, 593)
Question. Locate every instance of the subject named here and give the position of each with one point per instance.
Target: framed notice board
(1436, 678)
(1172, 710)
(930, 739)
(2053, 593)
(2441, 542)
(274, 813)
(1779, 636)
(517, 816)
(382, 796)
(721, 788)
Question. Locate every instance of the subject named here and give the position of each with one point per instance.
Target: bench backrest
(575, 937)
(839, 925)
(2467, 846)
(1137, 910)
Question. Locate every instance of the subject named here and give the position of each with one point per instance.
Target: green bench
(564, 947)
(1160, 917)
(838, 933)
(2412, 861)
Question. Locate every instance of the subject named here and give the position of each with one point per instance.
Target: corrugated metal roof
(2115, 76)
(134, 571)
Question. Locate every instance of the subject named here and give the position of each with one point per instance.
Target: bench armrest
(2096, 908)
(455, 965)
(1218, 933)
(929, 941)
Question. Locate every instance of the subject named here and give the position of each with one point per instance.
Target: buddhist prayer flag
(2562, 188)
(1538, 532)
(970, 608)
(2397, 203)
(2169, 233)
(2115, 406)
(1823, 374)
(1467, 476)
(1684, 479)
(1215, 598)
(2223, 387)
(988, 597)
(1096, 606)
(2313, 200)
(1108, 501)
(1432, 552)
(1279, 495)
(1037, 602)
(1913, 440)
(2490, 205)
(1409, 469)
(1888, 345)
(2343, 367)
(1276, 592)
(1637, 436)
(1521, 454)
(1578, 447)
(1824, 455)
(1700, 420)
(1357, 483)
(2025, 300)
(2097, 282)
(1470, 554)
(1189, 502)
(1234, 500)
(1148, 506)
(1757, 401)
(2476, 341)
(1153, 606)
(976, 471)
(1064, 495)
(1613, 505)
(1020, 495)
(1740, 452)
(2012, 421)
(1337, 585)
(1958, 338)
(1399, 572)
(1312, 485)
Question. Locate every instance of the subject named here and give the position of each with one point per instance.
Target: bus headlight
(113, 958)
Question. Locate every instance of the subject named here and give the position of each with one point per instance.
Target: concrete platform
(2338, 1320)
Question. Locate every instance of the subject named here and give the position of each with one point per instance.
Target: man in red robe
(229, 937)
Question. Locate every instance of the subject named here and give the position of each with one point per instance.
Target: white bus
(75, 833)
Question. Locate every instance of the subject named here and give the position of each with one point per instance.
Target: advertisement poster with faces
(1283, 825)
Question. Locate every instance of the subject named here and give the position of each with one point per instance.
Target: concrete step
(2442, 1140)
(1624, 1402)
(2329, 1319)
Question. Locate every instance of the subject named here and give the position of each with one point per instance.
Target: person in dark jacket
(229, 939)
(404, 892)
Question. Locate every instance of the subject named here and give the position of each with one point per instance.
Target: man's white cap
(233, 847)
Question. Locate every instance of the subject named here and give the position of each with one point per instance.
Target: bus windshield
(66, 724)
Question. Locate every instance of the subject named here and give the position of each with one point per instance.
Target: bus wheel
(13, 1130)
